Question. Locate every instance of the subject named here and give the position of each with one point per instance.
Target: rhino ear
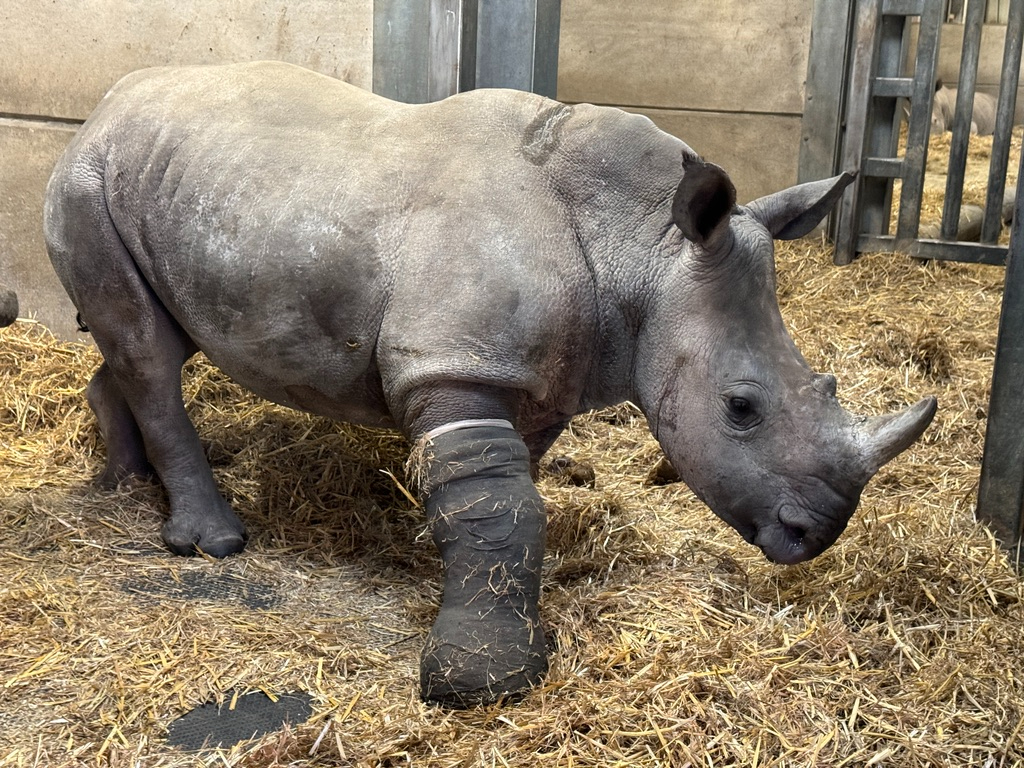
(704, 200)
(794, 212)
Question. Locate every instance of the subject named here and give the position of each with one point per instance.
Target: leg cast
(488, 522)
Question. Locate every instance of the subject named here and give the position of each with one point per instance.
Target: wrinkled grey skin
(493, 255)
(983, 115)
(8, 306)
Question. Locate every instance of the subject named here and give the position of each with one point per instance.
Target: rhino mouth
(789, 540)
(784, 544)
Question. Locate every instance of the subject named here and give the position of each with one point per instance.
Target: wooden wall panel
(732, 56)
(759, 152)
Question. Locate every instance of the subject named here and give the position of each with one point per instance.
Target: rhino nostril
(795, 532)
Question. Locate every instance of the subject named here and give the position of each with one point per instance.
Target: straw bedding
(674, 643)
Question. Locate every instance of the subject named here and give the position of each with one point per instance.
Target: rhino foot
(472, 660)
(217, 534)
(113, 476)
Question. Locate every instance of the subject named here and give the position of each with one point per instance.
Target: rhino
(8, 305)
(472, 272)
(983, 113)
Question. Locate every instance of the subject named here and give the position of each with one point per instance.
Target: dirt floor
(673, 641)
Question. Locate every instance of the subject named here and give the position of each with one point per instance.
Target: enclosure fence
(888, 82)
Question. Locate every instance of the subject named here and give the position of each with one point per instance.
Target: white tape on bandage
(444, 428)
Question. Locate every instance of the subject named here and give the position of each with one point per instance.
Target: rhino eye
(742, 412)
(739, 406)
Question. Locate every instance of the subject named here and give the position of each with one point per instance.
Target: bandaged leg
(488, 523)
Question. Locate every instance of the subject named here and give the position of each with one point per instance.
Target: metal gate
(888, 75)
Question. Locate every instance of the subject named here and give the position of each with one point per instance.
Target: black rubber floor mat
(200, 585)
(209, 726)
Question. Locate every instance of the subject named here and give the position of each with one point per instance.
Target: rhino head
(754, 432)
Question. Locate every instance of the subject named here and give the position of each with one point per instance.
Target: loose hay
(674, 642)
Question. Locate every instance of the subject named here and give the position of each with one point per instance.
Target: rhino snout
(794, 535)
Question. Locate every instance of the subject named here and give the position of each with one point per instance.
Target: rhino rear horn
(704, 200)
(794, 212)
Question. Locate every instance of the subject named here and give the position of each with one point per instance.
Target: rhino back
(325, 246)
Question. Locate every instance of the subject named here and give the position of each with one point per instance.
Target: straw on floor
(674, 642)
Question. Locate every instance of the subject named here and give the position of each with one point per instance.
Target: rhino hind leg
(126, 452)
(137, 392)
(488, 522)
(147, 373)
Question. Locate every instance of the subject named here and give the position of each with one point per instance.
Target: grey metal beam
(401, 49)
(962, 119)
(862, 61)
(1001, 491)
(919, 125)
(1005, 106)
(444, 63)
(425, 50)
(824, 94)
(939, 250)
(517, 45)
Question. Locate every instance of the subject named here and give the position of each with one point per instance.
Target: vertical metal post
(862, 64)
(919, 125)
(824, 99)
(517, 45)
(425, 50)
(401, 49)
(1001, 490)
(444, 65)
(1005, 107)
(962, 120)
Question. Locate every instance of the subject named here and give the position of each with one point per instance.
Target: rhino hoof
(113, 477)
(471, 661)
(218, 541)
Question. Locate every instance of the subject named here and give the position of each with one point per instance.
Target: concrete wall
(57, 59)
(726, 77)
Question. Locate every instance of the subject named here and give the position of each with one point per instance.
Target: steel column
(425, 50)
(1001, 491)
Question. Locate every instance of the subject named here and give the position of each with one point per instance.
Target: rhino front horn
(884, 437)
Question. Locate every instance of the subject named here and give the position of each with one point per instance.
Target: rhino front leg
(488, 523)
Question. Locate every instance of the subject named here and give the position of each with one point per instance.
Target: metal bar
(505, 44)
(444, 49)
(400, 49)
(883, 130)
(1001, 490)
(467, 73)
(1005, 107)
(903, 7)
(545, 51)
(825, 92)
(864, 50)
(515, 41)
(883, 167)
(893, 87)
(919, 126)
(962, 120)
(938, 250)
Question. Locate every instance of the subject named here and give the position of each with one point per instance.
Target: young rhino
(983, 113)
(472, 272)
